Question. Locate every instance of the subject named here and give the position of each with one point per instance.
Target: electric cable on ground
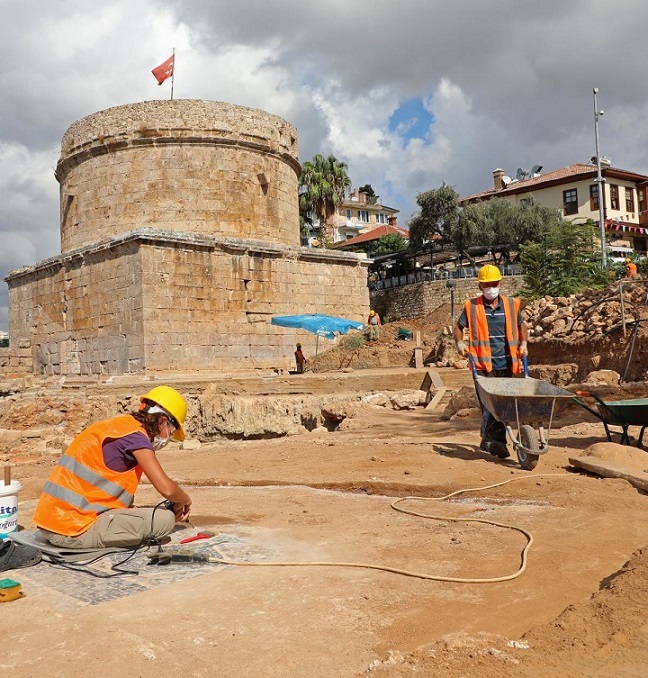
(423, 575)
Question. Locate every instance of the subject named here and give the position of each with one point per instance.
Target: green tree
(387, 244)
(565, 262)
(500, 223)
(438, 216)
(323, 183)
(367, 189)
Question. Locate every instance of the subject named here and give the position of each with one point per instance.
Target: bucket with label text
(9, 507)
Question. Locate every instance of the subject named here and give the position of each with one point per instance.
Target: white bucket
(9, 507)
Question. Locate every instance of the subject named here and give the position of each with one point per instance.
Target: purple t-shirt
(118, 452)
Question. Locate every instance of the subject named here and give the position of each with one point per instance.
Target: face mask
(490, 293)
(159, 443)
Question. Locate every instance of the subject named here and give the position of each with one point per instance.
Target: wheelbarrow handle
(471, 361)
(602, 405)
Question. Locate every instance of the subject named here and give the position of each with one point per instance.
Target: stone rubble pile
(587, 314)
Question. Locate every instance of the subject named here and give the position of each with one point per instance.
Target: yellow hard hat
(298, 345)
(372, 312)
(172, 403)
(489, 273)
(628, 260)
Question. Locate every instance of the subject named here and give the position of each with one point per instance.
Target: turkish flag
(164, 71)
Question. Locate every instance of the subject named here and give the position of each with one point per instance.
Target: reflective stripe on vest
(81, 486)
(94, 478)
(479, 336)
(73, 498)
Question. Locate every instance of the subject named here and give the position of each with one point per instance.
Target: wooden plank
(418, 357)
(432, 379)
(436, 399)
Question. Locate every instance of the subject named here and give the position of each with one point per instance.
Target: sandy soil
(578, 609)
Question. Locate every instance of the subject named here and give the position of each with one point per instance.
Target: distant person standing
(300, 359)
(630, 268)
(374, 323)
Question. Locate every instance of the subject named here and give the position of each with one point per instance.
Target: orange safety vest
(81, 486)
(479, 336)
(631, 270)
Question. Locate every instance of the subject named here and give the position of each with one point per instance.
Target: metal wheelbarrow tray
(623, 413)
(519, 400)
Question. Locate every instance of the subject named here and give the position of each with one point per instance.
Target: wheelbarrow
(623, 413)
(519, 400)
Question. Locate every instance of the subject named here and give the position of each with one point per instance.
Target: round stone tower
(201, 167)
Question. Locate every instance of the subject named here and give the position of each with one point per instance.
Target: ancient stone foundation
(180, 241)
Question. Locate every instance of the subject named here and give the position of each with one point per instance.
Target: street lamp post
(599, 180)
(450, 284)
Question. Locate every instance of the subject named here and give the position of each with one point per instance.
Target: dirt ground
(577, 609)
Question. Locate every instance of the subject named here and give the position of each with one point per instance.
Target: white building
(574, 191)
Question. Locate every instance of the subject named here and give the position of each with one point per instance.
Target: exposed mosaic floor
(78, 588)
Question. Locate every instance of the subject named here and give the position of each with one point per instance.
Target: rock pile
(587, 314)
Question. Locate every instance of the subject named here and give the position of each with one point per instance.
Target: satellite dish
(506, 180)
(536, 170)
(523, 174)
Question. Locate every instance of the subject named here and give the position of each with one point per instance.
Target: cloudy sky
(409, 93)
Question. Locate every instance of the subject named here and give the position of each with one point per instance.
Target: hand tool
(206, 534)
(167, 557)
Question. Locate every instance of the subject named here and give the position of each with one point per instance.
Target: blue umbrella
(318, 324)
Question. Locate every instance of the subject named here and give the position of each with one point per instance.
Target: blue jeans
(491, 429)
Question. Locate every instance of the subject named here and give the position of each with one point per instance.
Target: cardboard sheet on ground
(37, 538)
(612, 460)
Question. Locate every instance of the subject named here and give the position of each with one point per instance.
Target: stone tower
(179, 242)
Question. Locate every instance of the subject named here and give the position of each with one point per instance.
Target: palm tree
(323, 184)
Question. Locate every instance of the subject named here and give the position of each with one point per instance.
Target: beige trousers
(119, 527)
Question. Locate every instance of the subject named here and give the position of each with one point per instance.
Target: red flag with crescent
(164, 71)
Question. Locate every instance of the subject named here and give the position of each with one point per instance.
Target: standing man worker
(374, 323)
(300, 359)
(497, 340)
(631, 268)
(88, 500)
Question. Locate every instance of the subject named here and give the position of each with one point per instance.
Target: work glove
(523, 350)
(462, 348)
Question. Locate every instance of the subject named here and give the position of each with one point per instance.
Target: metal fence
(428, 275)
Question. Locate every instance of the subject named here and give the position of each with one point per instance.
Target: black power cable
(82, 566)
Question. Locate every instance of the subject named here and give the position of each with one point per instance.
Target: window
(641, 199)
(570, 201)
(349, 217)
(614, 197)
(363, 216)
(594, 203)
(629, 199)
(381, 218)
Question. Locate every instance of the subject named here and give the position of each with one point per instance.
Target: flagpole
(173, 74)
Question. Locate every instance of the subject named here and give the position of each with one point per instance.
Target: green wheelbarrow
(622, 413)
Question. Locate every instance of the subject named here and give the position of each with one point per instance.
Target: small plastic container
(9, 507)
(9, 590)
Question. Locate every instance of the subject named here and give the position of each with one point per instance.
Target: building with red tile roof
(573, 190)
(374, 234)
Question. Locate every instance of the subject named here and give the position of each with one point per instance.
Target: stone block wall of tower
(179, 242)
(193, 166)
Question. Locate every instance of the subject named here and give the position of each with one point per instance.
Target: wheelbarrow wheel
(529, 440)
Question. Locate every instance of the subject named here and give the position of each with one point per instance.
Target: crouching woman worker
(88, 500)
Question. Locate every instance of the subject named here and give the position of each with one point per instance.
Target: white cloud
(509, 85)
